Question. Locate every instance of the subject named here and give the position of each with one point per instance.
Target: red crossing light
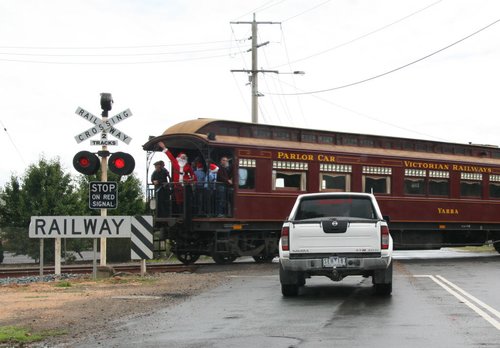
(86, 162)
(121, 163)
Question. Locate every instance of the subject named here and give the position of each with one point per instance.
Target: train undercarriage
(223, 241)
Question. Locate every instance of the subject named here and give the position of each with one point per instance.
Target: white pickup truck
(335, 235)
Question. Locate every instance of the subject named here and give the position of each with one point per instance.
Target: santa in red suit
(181, 172)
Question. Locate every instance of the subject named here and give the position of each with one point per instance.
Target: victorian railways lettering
(445, 166)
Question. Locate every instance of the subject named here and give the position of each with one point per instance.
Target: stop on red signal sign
(103, 194)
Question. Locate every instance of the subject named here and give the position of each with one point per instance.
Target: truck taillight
(285, 231)
(384, 237)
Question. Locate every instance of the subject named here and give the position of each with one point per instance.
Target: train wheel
(223, 259)
(187, 257)
(263, 258)
(497, 246)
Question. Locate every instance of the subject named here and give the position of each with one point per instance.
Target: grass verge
(12, 334)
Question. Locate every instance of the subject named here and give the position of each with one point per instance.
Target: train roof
(224, 132)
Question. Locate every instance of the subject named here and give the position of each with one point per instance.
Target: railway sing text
(80, 227)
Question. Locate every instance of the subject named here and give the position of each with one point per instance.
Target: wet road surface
(438, 301)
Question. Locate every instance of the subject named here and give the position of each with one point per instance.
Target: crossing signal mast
(254, 71)
(88, 163)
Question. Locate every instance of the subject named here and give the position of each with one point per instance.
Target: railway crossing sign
(138, 228)
(103, 194)
(104, 127)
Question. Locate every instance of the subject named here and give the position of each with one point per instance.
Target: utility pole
(254, 72)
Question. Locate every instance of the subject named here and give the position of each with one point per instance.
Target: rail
(197, 199)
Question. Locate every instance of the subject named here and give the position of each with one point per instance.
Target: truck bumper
(352, 263)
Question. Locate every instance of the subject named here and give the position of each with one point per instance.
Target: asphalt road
(440, 299)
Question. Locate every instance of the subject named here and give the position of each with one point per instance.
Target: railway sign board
(80, 227)
(103, 194)
(107, 126)
(138, 228)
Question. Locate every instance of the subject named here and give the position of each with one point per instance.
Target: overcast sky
(169, 61)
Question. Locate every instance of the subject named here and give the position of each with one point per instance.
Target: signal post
(87, 162)
(106, 105)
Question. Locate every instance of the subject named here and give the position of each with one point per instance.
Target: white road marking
(479, 302)
(465, 299)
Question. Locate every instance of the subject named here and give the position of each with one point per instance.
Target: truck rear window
(357, 207)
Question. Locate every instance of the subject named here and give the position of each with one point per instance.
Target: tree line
(46, 189)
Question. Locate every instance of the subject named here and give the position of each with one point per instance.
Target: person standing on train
(211, 186)
(160, 179)
(182, 174)
(224, 184)
(201, 178)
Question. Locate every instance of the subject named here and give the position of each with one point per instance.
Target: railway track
(26, 271)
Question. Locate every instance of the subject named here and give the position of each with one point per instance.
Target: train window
(262, 133)
(408, 146)
(246, 173)
(366, 142)
(376, 184)
(349, 141)
(415, 186)
(228, 131)
(378, 179)
(396, 145)
(282, 135)
(439, 187)
(325, 139)
(439, 184)
(308, 138)
(421, 147)
(414, 182)
(494, 186)
(289, 180)
(470, 184)
(470, 188)
(337, 181)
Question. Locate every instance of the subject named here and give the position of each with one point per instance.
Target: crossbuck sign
(104, 127)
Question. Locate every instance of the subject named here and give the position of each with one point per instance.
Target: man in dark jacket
(161, 178)
(224, 183)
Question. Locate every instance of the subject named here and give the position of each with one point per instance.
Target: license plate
(334, 261)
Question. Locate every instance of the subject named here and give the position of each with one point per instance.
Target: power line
(263, 7)
(114, 54)
(305, 11)
(12, 141)
(114, 63)
(111, 47)
(370, 117)
(359, 37)
(393, 70)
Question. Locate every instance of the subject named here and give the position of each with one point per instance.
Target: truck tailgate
(309, 238)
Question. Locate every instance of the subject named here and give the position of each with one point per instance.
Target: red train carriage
(434, 194)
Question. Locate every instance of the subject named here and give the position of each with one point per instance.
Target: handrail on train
(197, 199)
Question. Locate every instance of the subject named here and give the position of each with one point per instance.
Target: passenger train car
(433, 194)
